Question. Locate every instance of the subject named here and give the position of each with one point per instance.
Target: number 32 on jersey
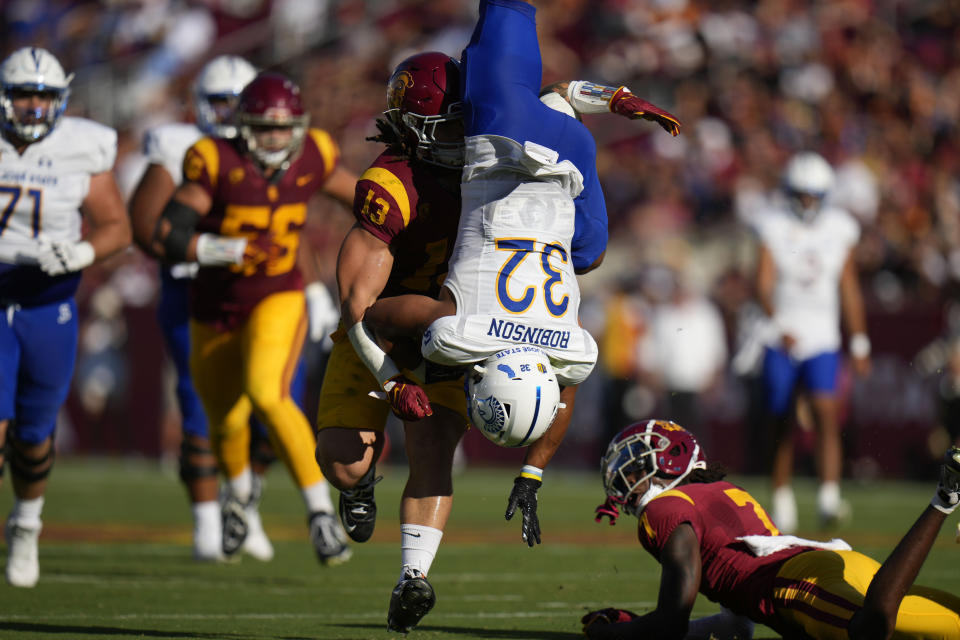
(519, 249)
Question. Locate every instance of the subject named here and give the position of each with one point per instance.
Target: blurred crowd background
(872, 85)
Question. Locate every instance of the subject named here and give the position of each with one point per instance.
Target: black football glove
(947, 497)
(524, 496)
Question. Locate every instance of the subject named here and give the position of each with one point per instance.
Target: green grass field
(115, 562)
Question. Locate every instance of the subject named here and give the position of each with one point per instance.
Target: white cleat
(23, 565)
(257, 545)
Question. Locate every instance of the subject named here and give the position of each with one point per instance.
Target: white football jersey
(511, 271)
(166, 145)
(809, 259)
(41, 191)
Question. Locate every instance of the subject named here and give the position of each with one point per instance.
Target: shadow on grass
(473, 632)
(75, 630)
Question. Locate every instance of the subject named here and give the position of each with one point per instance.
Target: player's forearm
(895, 576)
(109, 238)
(540, 453)
(147, 202)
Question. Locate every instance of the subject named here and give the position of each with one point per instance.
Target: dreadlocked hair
(714, 472)
(387, 134)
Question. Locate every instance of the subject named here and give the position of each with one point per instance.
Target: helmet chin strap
(655, 489)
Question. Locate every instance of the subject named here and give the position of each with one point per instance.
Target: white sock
(26, 513)
(206, 515)
(317, 497)
(241, 486)
(785, 509)
(419, 546)
(828, 497)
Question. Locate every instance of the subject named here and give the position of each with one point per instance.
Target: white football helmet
(32, 70)
(221, 79)
(513, 396)
(807, 174)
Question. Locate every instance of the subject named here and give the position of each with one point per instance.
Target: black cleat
(358, 509)
(328, 539)
(235, 526)
(412, 598)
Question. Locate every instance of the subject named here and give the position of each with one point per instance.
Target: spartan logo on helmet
(492, 414)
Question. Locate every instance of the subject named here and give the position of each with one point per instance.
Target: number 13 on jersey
(523, 278)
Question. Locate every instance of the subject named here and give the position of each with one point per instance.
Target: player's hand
(610, 509)
(947, 497)
(524, 496)
(322, 311)
(407, 400)
(628, 105)
(593, 621)
(57, 257)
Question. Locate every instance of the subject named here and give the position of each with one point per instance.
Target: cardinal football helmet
(422, 94)
(216, 93)
(513, 396)
(26, 71)
(653, 448)
(272, 100)
(807, 174)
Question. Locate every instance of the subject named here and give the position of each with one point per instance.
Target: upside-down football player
(712, 537)
(241, 206)
(533, 215)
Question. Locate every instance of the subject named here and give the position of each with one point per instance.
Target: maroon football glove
(407, 400)
(610, 509)
(628, 105)
(606, 616)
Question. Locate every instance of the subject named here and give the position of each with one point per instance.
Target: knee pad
(196, 460)
(24, 467)
(261, 451)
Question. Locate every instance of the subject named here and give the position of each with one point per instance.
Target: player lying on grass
(712, 537)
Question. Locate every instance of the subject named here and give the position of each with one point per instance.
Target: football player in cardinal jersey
(712, 537)
(806, 280)
(533, 216)
(238, 214)
(407, 207)
(55, 171)
(215, 95)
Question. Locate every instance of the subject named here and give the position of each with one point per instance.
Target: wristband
(378, 362)
(219, 251)
(532, 472)
(859, 345)
(589, 97)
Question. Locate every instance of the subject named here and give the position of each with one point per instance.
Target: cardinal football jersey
(415, 208)
(40, 196)
(270, 214)
(719, 513)
(809, 259)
